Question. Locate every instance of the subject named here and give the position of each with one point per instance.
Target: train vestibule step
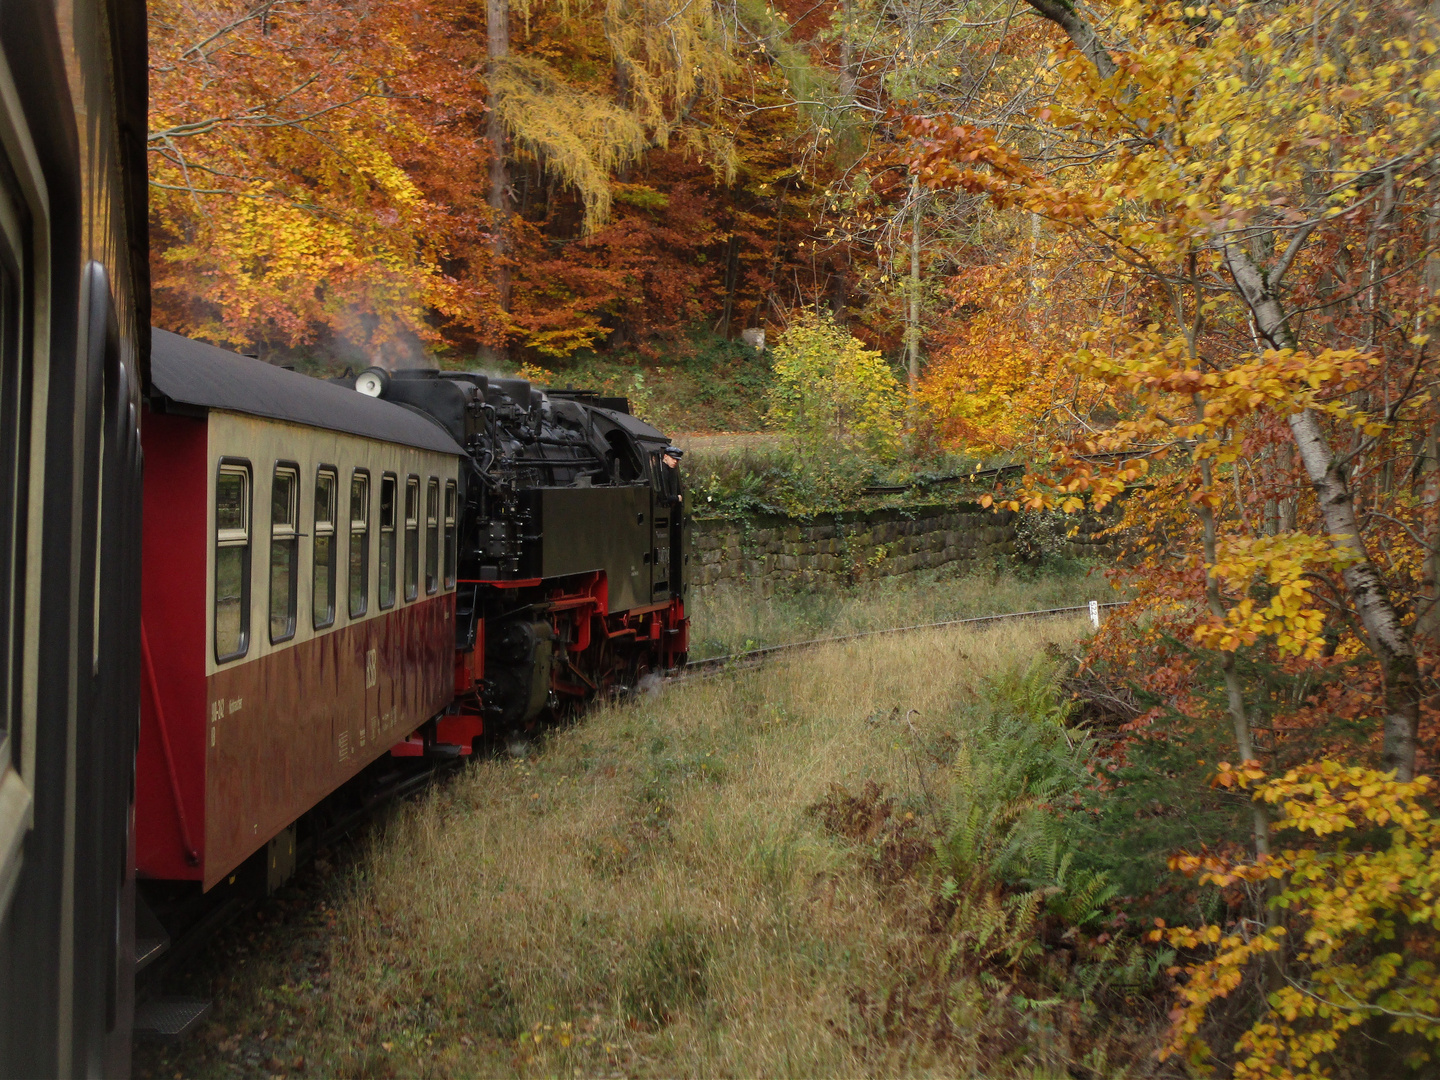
(151, 939)
(168, 1018)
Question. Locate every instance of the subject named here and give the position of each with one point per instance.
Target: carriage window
(359, 544)
(412, 537)
(232, 562)
(387, 540)
(323, 589)
(432, 535)
(284, 551)
(450, 500)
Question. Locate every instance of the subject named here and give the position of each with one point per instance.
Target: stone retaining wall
(775, 550)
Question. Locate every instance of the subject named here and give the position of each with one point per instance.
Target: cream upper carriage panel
(262, 446)
(261, 418)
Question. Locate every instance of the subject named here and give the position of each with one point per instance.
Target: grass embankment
(655, 893)
(834, 865)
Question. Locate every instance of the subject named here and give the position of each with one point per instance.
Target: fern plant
(1006, 854)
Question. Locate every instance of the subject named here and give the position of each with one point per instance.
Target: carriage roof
(192, 374)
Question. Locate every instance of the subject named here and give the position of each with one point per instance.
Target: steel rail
(751, 657)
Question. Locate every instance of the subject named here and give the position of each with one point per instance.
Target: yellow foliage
(1291, 616)
(1363, 919)
(581, 137)
(669, 54)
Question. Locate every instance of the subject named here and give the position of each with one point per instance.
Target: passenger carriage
(298, 605)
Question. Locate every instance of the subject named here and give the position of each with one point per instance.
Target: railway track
(754, 657)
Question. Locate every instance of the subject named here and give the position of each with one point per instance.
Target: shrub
(833, 397)
(1006, 854)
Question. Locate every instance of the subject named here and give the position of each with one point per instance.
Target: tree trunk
(1427, 622)
(912, 322)
(1389, 640)
(1081, 33)
(497, 37)
(1427, 618)
(847, 54)
(732, 274)
(1234, 693)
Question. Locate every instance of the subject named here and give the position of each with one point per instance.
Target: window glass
(387, 540)
(359, 544)
(284, 551)
(412, 537)
(450, 500)
(432, 535)
(322, 589)
(232, 562)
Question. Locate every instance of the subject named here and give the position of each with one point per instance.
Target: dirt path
(726, 442)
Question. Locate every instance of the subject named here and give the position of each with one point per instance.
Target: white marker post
(1095, 614)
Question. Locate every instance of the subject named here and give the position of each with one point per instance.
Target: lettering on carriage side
(217, 711)
(370, 674)
(344, 748)
(374, 728)
(236, 704)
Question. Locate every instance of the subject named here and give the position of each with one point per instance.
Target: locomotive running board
(168, 1019)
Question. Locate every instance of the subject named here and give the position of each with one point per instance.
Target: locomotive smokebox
(442, 395)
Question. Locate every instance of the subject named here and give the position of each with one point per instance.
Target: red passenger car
(298, 606)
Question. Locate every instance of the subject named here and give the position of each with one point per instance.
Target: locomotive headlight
(372, 382)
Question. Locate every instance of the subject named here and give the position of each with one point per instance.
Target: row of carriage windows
(233, 538)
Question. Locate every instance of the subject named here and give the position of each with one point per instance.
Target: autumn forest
(1180, 263)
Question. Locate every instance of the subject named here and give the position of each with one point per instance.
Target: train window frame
(432, 536)
(412, 539)
(285, 533)
(388, 538)
(324, 528)
(666, 478)
(358, 604)
(25, 244)
(15, 450)
(230, 539)
(452, 506)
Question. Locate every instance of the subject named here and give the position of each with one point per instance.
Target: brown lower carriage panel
(287, 729)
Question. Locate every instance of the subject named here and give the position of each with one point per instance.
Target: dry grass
(651, 894)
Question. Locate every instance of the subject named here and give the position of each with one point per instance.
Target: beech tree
(1265, 174)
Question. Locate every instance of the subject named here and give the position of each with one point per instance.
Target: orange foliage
(304, 161)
